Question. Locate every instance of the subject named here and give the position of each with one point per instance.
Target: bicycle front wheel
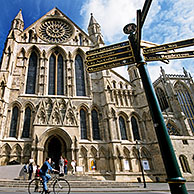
(35, 186)
(61, 186)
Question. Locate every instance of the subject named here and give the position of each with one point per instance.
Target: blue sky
(167, 21)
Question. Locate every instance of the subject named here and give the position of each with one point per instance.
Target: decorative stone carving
(55, 30)
(70, 118)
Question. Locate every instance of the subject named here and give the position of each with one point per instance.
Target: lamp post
(141, 166)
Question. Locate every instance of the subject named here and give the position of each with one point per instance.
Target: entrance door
(55, 150)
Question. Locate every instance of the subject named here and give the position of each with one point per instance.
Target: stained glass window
(83, 124)
(51, 89)
(186, 103)
(95, 125)
(14, 122)
(27, 121)
(122, 128)
(56, 74)
(135, 128)
(31, 79)
(80, 80)
(162, 99)
(60, 76)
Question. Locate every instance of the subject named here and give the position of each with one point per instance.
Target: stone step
(74, 184)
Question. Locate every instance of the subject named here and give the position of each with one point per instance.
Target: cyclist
(44, 173)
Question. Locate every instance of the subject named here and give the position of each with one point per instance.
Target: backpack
(25, 168)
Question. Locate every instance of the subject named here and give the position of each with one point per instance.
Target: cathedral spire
(19, 16)
(18, 22)
(94, 31)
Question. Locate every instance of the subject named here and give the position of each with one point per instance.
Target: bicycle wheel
(61, 186)
(35, 186)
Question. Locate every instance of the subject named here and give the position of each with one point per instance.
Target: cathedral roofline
(48, 14)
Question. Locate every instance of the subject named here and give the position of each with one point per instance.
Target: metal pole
(141, 166)
(174, 178)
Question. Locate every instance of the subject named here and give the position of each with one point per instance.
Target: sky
(167, 21)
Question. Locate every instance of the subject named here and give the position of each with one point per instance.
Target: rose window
(56, 31)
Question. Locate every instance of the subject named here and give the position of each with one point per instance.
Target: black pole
(174, 177)
(141, 166)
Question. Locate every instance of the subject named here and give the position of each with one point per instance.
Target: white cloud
(112, 16)
(167, 21)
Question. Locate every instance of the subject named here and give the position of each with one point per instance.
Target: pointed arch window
(79, 74)
(56, 74)
(27, 123)
(95, 125)
(186, 103)
(32, 70)
(172, 130)
(14, 122)
(83, 124)
(135, 128)
(122, 128)
(162, 99)
(184, 164)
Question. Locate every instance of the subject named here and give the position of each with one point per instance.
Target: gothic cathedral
(51, 106)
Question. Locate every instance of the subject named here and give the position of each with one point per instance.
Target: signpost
(110, 57)
(174, 177)
(169, 46)
(169, 56)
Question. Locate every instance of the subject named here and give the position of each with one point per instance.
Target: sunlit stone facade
(51, 106)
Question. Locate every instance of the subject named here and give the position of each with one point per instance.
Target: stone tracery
(55, 30)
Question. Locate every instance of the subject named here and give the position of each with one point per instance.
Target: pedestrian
(25, 170)
(61, 166)
(44, 173)
(73, 165)
(65, 166)
(37, 176)
(30, 170)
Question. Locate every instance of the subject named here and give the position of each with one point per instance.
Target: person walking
(25, 170)
(61, 166)
(30, 170)
(37, 175)
(65, 166)
(73, 165)
(44, 173)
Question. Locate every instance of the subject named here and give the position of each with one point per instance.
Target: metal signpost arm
(175, 179)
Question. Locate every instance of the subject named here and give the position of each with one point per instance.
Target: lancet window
(80, 78)
(14, 122)
(95, 125)
(27, 123)
(32, 71)
(122, 128)
(186, 103)
(162, 99)
(135, 128)
(56, 74)
(83, 124)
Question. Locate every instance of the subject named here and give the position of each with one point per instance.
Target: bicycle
(59, 185)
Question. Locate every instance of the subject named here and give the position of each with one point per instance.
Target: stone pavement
(136, 187)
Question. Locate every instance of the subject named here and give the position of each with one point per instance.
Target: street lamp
(141, 167)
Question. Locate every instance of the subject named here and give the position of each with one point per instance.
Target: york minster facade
(51, 106)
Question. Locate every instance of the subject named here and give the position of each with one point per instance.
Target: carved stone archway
(53, 143)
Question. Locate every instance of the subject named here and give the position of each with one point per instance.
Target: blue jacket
(45, 167)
